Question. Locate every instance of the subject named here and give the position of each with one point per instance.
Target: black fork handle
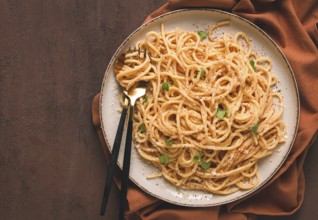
(113, 161)
(126, 167)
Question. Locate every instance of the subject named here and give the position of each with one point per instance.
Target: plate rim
(259, 187)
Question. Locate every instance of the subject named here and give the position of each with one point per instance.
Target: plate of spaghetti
(220, 113)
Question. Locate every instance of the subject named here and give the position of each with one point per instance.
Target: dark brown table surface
(53, 55)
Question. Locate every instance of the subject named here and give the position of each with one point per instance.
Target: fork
(133, 94)
(130, 98)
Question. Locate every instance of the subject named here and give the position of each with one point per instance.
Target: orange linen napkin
(293, 26)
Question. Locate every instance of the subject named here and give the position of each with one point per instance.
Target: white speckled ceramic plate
(194, 20)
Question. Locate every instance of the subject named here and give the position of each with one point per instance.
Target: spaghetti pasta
(210, 112)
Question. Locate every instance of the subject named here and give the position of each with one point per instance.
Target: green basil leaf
(168, 142)
(254, 129)
(252, 62)
(221, 113)
(142, 128)
(197, 157)
(145, 98)
(205, 165)
(201, 72)
(164, 159)
(165, 86)
(202, 35)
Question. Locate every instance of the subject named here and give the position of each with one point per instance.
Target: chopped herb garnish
(164, 159)
(168, 142)
(197, 157)
(165, 86)
(142, 128)
(202, 35)
(253, 64)
(201, 72)
(205, 165)
(145, 98)
(221, 113)
(254, 129)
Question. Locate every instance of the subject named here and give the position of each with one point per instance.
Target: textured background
(53, 55)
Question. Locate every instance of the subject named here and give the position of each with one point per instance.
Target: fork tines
(130, 49)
